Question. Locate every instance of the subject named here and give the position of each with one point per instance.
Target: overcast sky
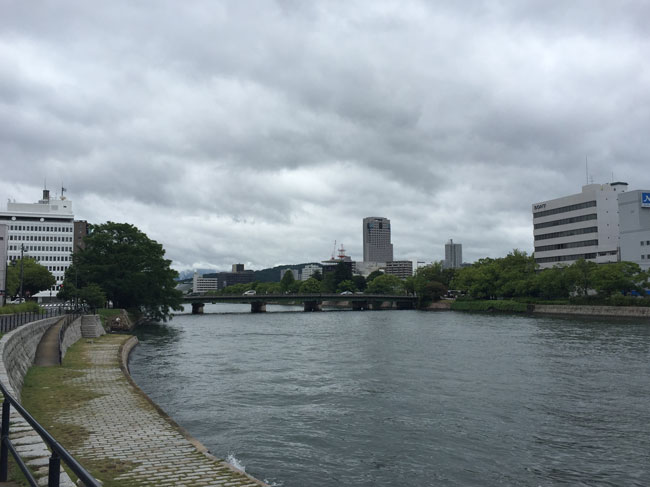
(261, 131)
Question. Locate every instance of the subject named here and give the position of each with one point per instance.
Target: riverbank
(91, 405)
(508, 306)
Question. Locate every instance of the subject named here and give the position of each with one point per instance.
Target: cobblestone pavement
(126, 429)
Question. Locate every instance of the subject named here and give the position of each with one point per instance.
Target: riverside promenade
(127, 440)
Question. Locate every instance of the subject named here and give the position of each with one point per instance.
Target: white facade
(399, 268)
(309, 271)
(579, 226)
(203, 284)
(634, 221)
(44, 231)
(366, 268)
(453, 255)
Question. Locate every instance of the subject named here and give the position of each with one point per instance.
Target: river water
(407, 398)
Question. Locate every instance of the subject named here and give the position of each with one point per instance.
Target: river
(407, 398)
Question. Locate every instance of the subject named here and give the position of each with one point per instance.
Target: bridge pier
(405, 305)
(312, 306)
(197, 308)
(258, 307)
(359, 305)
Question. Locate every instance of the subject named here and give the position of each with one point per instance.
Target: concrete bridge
(311, 302)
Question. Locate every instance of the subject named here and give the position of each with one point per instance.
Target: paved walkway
(47, 352)
(125, 428)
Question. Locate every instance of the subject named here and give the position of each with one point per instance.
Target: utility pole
(22, 249)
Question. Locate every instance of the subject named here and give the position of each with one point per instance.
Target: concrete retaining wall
(17, 351)
(71, 336)
(614, 311)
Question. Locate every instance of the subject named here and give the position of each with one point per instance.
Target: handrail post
(4, 451)
(55, 470)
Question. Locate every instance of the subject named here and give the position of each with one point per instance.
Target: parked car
(250, 292)
(346, 293)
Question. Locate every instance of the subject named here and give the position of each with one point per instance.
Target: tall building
(453, 255)
(81, 230)
(43, 231)
(634, 227)
(377, 246)
(579, 226)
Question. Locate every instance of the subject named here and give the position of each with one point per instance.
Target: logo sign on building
(645, 200)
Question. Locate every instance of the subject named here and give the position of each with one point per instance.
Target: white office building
(309, 270)
(42, 231)
(634, 221)
(202, 284)
(579, 226)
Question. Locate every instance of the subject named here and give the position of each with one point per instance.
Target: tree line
(517, 276)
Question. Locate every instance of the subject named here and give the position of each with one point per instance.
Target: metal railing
(11, 322)
(58, 452)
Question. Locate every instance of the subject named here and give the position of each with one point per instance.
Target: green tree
(374, 274)
(427, 284)
(268, 288)
(580, 274)
(347, 285)
(35, 277)
(342, 272)
(310, 286)
(92, 295)
(386, 284)
(317, 275)
(618, 277)
(328, 284)
(554, 283)
(359, 282)
(287, 281)
(237, 289)
(129, 267)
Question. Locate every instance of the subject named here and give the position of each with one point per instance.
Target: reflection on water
(407, 398)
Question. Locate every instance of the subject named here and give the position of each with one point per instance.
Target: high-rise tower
(376, 240)
(453, 255)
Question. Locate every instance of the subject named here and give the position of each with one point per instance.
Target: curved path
(124, 427)
(47, 352)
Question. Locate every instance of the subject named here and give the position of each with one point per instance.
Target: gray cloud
(262, 131)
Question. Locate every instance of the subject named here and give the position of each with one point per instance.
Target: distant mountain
(267, 275)
(189, 273)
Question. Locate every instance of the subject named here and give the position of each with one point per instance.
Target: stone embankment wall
(17, 351)
(606, 311)
(71, 335)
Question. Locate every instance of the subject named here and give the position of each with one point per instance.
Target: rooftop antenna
(586, 169)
